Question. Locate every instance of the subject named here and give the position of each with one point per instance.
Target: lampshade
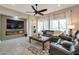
(71, 27)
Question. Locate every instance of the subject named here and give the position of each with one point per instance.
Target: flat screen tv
(15, 24)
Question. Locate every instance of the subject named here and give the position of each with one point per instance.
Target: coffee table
(41, 39)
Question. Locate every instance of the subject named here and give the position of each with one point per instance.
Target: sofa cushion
(50, 33)
(57, 49)
(57, 33)
(65, 38)
(66, 45)
(54, 39)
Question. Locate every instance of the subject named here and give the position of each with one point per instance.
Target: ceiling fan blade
(33, 8)
(40, 13)
(29, 12)
(42, 10)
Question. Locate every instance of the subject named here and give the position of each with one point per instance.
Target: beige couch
(55, 33)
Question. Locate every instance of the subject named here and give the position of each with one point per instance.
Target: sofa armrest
(56, 49)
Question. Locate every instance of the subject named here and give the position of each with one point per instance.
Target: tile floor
(17, 46)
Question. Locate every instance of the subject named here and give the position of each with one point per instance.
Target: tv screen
(15, 24)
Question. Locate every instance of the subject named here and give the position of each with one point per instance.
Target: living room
(34, 31)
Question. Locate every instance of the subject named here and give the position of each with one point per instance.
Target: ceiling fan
(36, 11)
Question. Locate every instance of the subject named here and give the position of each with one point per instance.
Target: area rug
(37, 51)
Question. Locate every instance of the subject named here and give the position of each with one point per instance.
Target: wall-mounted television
(15, 24)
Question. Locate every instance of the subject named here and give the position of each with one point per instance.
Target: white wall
(10, 12)
(29, 26)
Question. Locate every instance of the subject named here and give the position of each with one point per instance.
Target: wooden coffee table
(41, 39)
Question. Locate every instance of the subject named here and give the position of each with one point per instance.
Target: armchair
(61, 47)
(57, 49)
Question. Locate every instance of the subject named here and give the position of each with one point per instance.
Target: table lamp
(71, 28)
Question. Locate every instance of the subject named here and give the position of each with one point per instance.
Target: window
(63, 25)
(45, 24)
(42, 25)
(58, 24)
(53, 25)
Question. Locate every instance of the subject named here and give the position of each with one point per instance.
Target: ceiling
(24, 8)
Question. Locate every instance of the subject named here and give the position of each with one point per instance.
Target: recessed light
(16, 18)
